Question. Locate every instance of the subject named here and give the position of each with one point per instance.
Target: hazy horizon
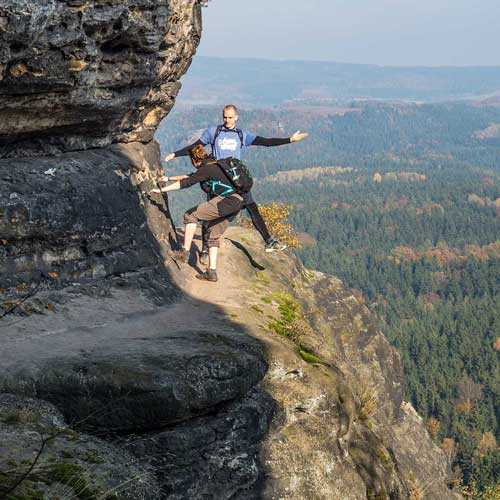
(347, 63)
(430, 33)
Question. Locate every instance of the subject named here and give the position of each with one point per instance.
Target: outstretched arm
(182, 151)
(202, 174)
(166, 178)
(278, 141)
(172, 187)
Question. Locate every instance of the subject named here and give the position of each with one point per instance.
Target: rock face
(171, 380)
(341, 429)
(223, 449)
(122, 375)
(67, 464)
(76, 74)
(144, 383)
(78, 215)
(204, 393)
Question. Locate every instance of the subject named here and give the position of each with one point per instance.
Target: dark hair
(197, 153)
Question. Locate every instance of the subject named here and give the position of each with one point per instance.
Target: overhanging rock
(79, 74)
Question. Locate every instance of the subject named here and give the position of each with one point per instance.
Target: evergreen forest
(402, 202)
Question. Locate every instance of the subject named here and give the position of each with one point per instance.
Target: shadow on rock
(247, 254)
(111, 339)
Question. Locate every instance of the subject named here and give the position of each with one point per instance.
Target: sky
(384, 32)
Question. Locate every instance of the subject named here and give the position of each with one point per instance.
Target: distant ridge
(256, 82)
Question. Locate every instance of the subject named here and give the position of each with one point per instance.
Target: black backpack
(237, 172)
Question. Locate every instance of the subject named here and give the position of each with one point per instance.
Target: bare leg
(189, 230)
(212, 255)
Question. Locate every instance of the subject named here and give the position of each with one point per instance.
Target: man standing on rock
(227, 140)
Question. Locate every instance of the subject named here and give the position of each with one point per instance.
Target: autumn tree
(433, 425)
(469, 393)
(275, 216)
(487, 444)
(449, 448)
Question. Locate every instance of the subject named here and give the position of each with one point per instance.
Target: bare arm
(171, 187)
(167, 178)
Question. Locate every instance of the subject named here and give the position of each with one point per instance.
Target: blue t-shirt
(228, 142)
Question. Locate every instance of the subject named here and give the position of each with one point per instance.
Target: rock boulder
(79, 74)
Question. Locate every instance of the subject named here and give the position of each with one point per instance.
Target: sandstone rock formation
(74, 75)
(79, 74)
(70, 465)
(77, 215)
(141, 381)
(212, 399)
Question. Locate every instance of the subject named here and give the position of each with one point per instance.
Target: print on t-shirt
(226, 143)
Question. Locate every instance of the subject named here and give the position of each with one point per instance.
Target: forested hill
(411, 223)
(260, 82)
(357, 131)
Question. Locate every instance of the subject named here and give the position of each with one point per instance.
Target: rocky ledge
(271, 383)
(130, 366)
(81, 215)
(79, 74)
(122, 376)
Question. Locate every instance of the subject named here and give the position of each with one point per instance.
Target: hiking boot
(275, 246)
(181, 255)
(204, 258)
(208, 275)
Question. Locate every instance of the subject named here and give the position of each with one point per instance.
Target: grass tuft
(263, 278)
(310, 358)
(292, 324)
(21, 416)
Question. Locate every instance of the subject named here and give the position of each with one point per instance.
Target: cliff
(122, 376)
(79, 74)
(271, 383)
(90, 81)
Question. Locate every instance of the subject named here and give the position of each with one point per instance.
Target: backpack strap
(219, 129)
(219, 184)
(240, 135)
(214, 184)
